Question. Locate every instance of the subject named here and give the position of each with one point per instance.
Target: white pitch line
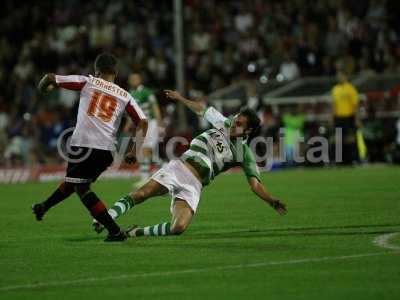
(189, 271)
(383, 241)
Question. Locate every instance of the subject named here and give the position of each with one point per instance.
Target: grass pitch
(236, 247)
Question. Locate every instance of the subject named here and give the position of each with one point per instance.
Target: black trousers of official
(349, 141)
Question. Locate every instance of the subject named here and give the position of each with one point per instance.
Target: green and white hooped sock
(155, 230)
(121, 207)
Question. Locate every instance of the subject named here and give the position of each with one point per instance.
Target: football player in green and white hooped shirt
(148, 103)
(210, 153)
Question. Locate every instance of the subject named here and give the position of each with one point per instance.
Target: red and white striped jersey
(101, 107)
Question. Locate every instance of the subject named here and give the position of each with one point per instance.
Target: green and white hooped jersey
(146, 99)
(213, 152)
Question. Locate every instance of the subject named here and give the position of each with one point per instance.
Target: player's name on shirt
(108, 86)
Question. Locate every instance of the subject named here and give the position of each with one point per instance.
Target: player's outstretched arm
(47, 83)
(258, 188)
(197, 107)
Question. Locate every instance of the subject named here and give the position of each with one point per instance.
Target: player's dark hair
(253, 121)
(105, 63)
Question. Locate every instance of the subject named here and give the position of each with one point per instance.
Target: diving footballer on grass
(210, 153)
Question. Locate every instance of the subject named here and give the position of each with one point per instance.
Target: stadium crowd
(287, 38)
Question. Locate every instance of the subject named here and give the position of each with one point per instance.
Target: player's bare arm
(197, 107)
(141, 131)
(47, 83)
(258, 188)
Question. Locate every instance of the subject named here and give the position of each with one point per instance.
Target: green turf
(236, 247)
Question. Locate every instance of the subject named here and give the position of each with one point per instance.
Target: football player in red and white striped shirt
(101, 107)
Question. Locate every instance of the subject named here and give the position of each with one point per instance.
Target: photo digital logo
(314, 150)
(69, 153)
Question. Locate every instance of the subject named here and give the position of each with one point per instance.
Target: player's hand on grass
(173, 95)
(130, 158)
(279, 207)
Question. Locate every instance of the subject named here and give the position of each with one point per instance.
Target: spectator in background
(345, 116)
(244, 21)
(289, 68)
(200, 40)
(18, 149)
(376, 13)
(335, 40)
(158, 66)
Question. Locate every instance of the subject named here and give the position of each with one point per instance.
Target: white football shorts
(180, 182)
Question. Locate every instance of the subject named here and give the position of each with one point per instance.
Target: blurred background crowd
(225, 42)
